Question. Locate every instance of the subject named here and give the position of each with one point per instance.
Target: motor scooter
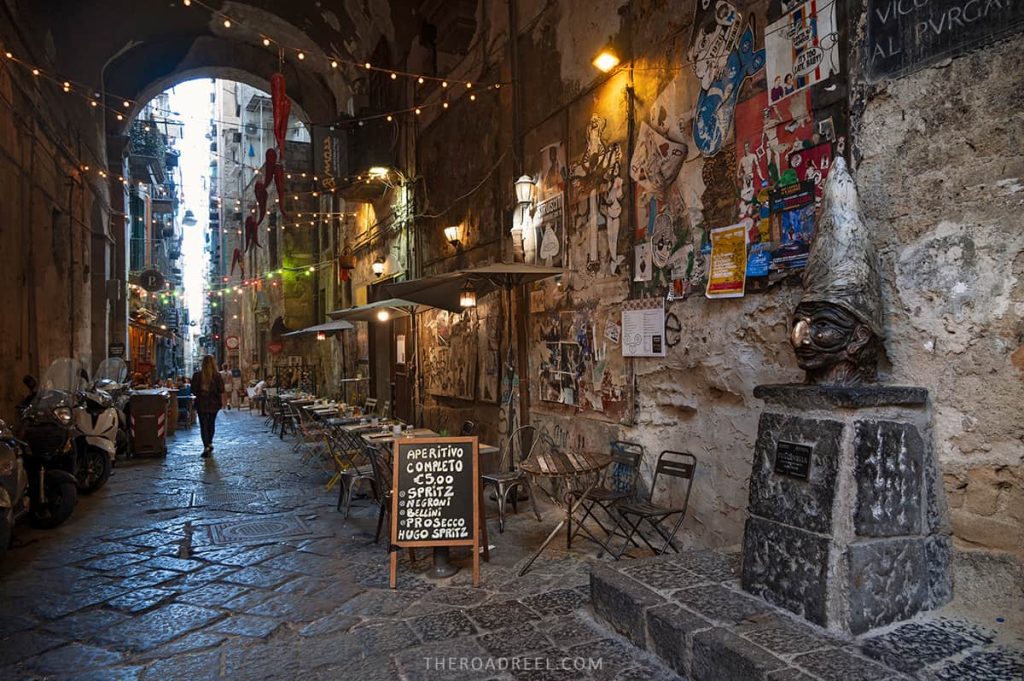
(14, 501)
(95, 438)
(112, 378)
(46, 426)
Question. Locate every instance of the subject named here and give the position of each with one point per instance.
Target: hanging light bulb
(383, 315)
(321, 336)
(266, 42)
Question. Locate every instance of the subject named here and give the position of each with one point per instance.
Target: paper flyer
(728, 274)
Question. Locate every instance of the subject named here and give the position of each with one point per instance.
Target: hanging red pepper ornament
(261, 200)
(252, 233)
(282, 108)
(236, 258)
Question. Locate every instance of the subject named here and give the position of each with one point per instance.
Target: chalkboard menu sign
(436, 500)
(792, 459)
(905, 35)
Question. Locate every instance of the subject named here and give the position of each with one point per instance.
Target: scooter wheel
(61, 497)
(96, 471)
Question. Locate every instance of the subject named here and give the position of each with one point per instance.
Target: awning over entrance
(328, 327)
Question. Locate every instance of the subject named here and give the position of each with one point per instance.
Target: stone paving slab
(110, 595)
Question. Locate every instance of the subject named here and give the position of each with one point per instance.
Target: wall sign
(792, 459)
(643, 327)
(436, 500)
(115, 350)
(906, 35)
(151, 280)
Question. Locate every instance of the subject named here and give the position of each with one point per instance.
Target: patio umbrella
(329, 327)
(395, 307)
(443, 290)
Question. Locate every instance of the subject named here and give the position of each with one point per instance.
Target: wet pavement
(276, 584)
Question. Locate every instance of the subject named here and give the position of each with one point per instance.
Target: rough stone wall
(49, 209)
(941, 175)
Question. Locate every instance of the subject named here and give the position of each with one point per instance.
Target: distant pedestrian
(208, 387)
(228, 381)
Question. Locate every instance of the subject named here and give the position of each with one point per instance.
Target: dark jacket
(207, 400)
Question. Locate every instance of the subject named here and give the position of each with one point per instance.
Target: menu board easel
(436, 500)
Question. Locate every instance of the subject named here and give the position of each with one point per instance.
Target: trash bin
(147, 422)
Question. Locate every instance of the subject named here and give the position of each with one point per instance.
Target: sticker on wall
(656, 160)
(663, 240)
(728, 262)
(642, 265)
(802, 48)
(613, 332)
(792, 225)
(812, 164)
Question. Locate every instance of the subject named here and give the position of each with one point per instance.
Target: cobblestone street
(278, 584)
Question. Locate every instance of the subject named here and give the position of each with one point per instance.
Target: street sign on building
(115, 350)
(151, 280)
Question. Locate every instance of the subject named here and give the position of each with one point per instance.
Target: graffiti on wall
(598, 190)
(802, 49)
(462, 352)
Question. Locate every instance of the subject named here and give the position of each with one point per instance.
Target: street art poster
(573, 363)
(812, 164)
(723, 55)
(643, 327)
(728, 274)
(488, 325)
(793, 212)
(802, 49)
(451, 360)
(553, 171)
(767, 135)
(596, 178)
(549, 219)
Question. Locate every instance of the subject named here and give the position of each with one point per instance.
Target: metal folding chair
(505, 481)
(618, 486)
(348, 470)
(680, 465)
(380, 461)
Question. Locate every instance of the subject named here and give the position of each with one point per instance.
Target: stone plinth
(847, 527)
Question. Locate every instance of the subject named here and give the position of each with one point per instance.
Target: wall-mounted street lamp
(378, 172)
(451, 233)
(606, 59)
(467, 298)
(378, 267)
(524, 202)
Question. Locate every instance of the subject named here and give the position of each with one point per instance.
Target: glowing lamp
(524, 189)
(606, 60)
(378, 172)
(467, 298)
(383, 315)
(451, 233)
(321, 336)
(378, 267)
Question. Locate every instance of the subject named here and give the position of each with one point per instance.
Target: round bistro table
(574, 475)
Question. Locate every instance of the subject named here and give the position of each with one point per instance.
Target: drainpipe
(629, 418)
(521, 326)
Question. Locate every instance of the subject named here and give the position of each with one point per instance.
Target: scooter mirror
(30, 382)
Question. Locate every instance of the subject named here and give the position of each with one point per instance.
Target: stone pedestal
(848, 526)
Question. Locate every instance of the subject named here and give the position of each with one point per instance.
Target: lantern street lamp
(524, 202)
(378, 267)
(467, 298)
(606, 60)
(451, 233)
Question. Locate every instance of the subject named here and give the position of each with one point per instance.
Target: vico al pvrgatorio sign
(905, 35)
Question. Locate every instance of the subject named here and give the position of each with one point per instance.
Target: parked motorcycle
(112, 378)
(94, 421)
(14, 501)
(46, 424)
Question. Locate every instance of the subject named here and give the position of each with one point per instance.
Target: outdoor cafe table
(576, 474)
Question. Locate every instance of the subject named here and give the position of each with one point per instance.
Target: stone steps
(689, 611)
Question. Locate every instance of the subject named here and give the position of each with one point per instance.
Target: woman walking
(208, 387)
